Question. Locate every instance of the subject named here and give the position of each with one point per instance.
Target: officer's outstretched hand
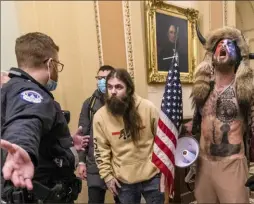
(80, 141)
(18, 166)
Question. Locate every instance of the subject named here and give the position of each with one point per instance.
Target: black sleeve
(84, 121)
(27, 119)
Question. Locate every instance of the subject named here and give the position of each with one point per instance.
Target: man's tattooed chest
(220, 111)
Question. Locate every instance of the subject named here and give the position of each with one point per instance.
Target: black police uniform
(32, 119)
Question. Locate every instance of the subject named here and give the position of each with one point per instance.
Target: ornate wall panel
(128, 37)
(98, 32)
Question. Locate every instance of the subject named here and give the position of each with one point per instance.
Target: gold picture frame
(160, 17)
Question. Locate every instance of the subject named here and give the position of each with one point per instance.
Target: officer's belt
(39, 192)
(44, 193)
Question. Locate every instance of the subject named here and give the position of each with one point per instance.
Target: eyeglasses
(59, 65)
(100, 77)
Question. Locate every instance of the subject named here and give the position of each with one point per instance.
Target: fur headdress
(203, 76)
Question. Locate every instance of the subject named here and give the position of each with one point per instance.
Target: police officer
(40, 148)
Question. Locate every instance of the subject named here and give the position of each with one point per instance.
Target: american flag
(171, 115)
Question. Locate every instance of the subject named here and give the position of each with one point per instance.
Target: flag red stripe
(164, 169)
(167, 131)
(168, 126)
(165, 149)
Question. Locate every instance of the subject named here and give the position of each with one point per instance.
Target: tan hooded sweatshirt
(114, 151)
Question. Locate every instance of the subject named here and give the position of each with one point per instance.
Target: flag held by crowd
(171, 115)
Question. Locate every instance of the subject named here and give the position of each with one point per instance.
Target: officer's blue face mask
(102, 85)
(51, 84)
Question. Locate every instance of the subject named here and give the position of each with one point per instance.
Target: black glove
(250, 183)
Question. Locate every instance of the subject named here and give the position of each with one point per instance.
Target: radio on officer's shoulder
(67, 115)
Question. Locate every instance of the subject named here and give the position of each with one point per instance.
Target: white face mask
(102, 85)
(51, 84)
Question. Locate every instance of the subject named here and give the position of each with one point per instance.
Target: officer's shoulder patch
(31, 96)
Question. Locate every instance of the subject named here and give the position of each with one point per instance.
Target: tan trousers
(222, 181)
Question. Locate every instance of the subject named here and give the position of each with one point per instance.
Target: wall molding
(210, 15)
(128, 38)
(239, 15)
(248, 30)
(225, 13)
(98, 32)
(252, 7)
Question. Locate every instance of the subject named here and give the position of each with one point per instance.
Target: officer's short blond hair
(33, 49)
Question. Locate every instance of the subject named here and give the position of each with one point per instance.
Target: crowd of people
(114, 142)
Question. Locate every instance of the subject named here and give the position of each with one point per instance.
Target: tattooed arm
(196, 123)
(251, 125)
(192, 127)
(250, 181)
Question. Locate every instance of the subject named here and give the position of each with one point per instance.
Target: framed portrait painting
(170, 34)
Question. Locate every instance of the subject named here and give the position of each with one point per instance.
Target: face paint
(225, 47)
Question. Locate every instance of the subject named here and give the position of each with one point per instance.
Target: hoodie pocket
(136, 171)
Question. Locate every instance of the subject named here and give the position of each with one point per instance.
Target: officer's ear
(48, 62)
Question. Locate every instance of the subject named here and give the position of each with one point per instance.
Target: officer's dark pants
(96, 195)
(63, 201)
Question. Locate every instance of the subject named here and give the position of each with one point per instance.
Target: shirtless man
(223, 97)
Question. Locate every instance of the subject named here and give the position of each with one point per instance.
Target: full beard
(223, 65)
(117, 106)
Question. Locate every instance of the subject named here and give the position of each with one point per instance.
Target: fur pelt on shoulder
(203, 76)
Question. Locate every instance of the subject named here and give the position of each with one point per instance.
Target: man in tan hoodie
(124, 131)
